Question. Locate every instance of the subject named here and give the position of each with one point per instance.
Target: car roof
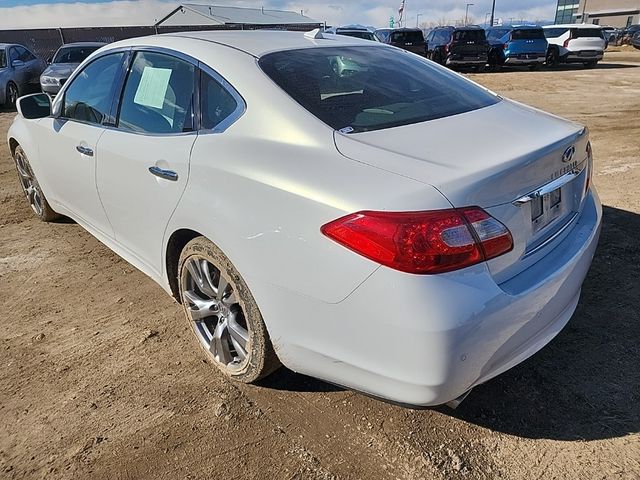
(573, 25)
(252, 42)
(84, 44)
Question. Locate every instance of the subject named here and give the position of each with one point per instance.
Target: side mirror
(17, 63)
(36, 105)
(49, 60)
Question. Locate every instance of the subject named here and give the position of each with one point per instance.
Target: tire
(493, 62)
(228, 326)
(32, 189)
(11, 94)
(553, 57)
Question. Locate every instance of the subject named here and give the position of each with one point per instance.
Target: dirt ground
(100, 377)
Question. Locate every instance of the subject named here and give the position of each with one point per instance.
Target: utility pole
(418, 18)
(493, 12)
(466, 13)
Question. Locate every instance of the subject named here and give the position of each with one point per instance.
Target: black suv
(411, 39)
(458, 46)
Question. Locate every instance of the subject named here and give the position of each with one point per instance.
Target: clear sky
(61, 13)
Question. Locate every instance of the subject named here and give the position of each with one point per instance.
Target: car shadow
(586, 383)
(287, 380)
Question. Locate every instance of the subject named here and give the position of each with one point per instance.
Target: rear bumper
(426, 340)
(462, 61)
(514, 60)
(581, 57)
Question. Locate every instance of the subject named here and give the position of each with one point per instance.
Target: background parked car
(19, 72)
(461, 46)
(517, 45)
(635, 40)
(574, 43)
(610, 35)
(627, 34)
(64, 62)
(411, 39)
(383, 34)
(357, 31)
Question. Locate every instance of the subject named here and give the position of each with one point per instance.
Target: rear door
(144, 161)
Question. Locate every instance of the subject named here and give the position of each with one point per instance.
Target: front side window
(359, 89)
(158, 95)
(217, 104)
(88, 98)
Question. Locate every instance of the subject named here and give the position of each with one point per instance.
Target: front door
(69, 152)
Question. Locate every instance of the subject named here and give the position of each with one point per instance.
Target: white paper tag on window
(153, 87)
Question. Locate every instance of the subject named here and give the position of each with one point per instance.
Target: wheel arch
(176, 243)
(13, 144)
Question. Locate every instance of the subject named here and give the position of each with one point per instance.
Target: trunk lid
(489, 157)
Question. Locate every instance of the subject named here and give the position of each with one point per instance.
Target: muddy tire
(223, 314)
(31, 188)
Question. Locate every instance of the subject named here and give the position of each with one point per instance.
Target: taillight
(423, 242)
(589, 167)
(446, 47)
(505, 46)
(566, 42)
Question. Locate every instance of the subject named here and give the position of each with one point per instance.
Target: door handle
(162, 173)
(85, 150)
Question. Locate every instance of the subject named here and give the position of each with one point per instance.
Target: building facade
(614, 13)
(567, 11)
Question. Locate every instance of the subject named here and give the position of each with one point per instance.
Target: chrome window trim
(241, 105)
(201, 68)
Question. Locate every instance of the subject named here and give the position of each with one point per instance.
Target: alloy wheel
(29, 186)
(217, 316)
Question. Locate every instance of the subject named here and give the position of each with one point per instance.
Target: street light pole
(485, 18)
(493, 12)
(418, 18)
(466, 13)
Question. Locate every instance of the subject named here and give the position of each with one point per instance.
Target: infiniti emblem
(568, 154)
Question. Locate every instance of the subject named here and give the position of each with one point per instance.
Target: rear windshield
(469, 36)
(73, 54)
(359, 89)
(407, 37)
(554, 32)
(356, 34)
(528, 34)
(587, 33)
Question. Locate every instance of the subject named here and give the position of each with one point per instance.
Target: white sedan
(350, 210)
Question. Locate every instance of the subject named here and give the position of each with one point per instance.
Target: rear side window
(359, 89)
(158, 95)
(217, 103)
(469, 36)
(554, 32)
(586, 33)
(407, 37)
(88, 98)
(528, 34)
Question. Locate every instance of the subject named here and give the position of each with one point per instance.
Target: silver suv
(19, 72)
(577, 43)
